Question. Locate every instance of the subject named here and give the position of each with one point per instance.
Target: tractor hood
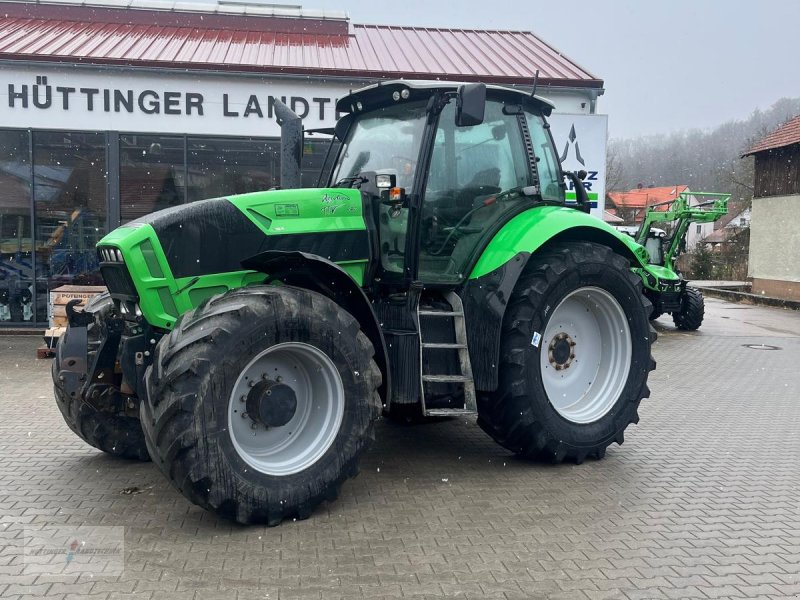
(215, 236)
(181, 255)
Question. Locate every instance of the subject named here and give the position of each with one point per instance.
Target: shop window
(151, 174)
(224, 167)
(16, 243)
(69, 183)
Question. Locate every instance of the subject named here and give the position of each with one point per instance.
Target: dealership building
(109, 111)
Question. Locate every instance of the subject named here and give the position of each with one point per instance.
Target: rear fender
(492, 281)
(318, 274)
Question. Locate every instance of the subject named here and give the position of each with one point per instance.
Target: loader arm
(680, 211)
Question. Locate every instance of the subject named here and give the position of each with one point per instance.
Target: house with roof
(775, 219)
(631, 207)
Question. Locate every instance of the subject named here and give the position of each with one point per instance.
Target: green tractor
(248, 344)
(663, 284)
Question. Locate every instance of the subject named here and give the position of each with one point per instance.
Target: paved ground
(702, 500)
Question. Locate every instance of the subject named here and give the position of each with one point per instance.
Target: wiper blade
(350, 182)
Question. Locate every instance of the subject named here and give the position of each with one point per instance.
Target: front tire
(260, 403)
(575, 356)
(690, 316)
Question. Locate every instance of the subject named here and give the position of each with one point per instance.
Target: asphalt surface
(701, 501)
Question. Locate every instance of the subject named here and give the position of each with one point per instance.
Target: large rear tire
(575, 356)
(109, 430)
(690, 316)
(260, 403)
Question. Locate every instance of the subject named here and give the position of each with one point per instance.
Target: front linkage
(95, 399)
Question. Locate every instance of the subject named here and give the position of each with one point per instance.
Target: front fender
(312, 272)
(494, 276)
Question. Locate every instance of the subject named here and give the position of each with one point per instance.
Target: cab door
(462, 201)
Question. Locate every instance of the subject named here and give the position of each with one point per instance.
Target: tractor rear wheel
(575, 356)
(110, 429)
(690, 316)
(260, 403)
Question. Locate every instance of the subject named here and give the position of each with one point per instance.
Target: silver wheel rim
(301, 442)
(586, 354)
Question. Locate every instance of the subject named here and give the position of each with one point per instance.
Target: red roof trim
(366, 52)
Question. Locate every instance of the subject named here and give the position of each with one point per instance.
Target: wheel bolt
(244, 415)
(243, 398)
(251, 383)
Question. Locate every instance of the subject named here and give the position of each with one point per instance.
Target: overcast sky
(667, 65)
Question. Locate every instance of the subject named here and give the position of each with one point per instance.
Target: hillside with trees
(705, 160)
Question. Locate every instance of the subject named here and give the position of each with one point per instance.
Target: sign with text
(581, 145)
(117, 100)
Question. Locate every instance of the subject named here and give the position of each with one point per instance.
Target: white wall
(775, 238)
(170, 102)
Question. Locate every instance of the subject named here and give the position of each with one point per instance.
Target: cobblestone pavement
(702, 500)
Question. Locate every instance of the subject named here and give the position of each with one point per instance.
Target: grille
(115, 273)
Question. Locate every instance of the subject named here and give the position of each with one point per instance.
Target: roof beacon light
(405, 94)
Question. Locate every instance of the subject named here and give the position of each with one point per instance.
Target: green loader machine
(664, 285)
(248, 344)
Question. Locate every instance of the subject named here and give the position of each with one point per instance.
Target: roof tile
(644, 197)
(785, 135)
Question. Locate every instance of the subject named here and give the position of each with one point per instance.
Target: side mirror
(470, 104)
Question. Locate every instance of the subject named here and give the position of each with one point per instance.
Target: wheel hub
(561, 351)
(271, 403)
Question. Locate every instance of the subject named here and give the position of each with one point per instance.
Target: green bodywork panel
(162, 298)
(529, 230)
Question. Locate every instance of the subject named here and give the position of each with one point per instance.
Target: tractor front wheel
(260, 403)
(575, 356)
(690, 316)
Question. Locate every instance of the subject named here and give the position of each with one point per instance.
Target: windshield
(386, 140)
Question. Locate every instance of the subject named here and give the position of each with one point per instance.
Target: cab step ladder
(460, 346)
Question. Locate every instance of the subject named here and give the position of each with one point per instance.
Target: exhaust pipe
(291, 145)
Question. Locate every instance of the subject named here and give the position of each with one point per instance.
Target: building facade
(775, 216)
(107, 114)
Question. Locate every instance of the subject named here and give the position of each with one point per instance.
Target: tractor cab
(654, 241)
(442, 166)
